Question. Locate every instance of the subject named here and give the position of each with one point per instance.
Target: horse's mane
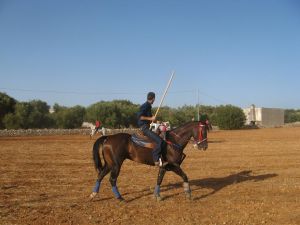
(181, 126)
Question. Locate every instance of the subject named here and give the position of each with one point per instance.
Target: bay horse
(118, 147)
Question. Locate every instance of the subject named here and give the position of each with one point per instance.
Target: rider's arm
(144, 112)
(150, 118)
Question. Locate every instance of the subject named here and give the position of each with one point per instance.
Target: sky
(75, 52)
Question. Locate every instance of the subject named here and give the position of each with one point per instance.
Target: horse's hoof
(121, 199)
(93, 195)
(188, 195)
(158, 198)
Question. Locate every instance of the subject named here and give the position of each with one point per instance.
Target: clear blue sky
(80, 52)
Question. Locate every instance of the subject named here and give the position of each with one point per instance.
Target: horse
(118, 147)
(94, 130)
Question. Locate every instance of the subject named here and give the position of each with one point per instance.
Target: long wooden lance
(164, 95)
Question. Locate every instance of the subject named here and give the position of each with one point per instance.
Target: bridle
(199, 138)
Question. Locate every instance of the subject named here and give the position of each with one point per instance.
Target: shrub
(69, 118)
(7, 105)
(291, 116)
(229, 117)
(114, 114)
(33, 114)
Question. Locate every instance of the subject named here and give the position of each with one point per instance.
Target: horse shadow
(216, 184)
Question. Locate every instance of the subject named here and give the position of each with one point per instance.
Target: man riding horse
(145, 117)
(115, 149)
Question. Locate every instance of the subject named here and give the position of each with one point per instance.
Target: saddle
(141, 140)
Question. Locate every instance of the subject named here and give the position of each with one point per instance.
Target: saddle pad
(143, 142)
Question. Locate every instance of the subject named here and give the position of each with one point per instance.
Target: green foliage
(115, 114)
(181, 115)
(33, 114)
(166, 114)
(68, 117)
(7, 105)
(291, 115)
(229, 117)
(58, 108)
(10, 122)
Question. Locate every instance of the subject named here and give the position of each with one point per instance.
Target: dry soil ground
(245, 177)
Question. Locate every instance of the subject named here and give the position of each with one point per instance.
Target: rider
(145, 117)
(98, 125)
(203, 118)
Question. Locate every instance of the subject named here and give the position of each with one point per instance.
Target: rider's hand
(152, 118)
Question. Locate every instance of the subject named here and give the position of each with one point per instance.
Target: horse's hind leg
(186, 185)
(113, 181)
(101, 175)
(160, 177)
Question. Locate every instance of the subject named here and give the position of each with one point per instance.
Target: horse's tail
(96, 149)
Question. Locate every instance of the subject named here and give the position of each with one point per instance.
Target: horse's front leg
(161, 174)
(186, 185)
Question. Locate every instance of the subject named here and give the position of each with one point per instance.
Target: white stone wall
(272, 117)
(266, 117)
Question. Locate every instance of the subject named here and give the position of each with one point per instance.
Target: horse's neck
(182, 135)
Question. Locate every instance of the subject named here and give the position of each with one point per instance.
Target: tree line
(291, 115)
(113, 114)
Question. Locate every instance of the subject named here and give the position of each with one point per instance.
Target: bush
(68, 118)
(291, 116)
(10, 122)
(33, 114)
(7, 105)
(229, 117)
(114, 114)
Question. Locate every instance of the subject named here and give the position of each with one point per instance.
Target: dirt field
(245, 177)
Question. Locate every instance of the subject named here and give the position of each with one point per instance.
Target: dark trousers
(157, 139)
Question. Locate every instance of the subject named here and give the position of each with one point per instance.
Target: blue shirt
(145, 110)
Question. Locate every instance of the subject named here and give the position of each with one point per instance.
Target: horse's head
(200, 136)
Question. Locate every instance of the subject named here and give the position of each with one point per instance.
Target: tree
(291, 116)
(7, 105)
(33, 114)
(114, 114)
(10, 122)
(68, 117)
(229, 117)
(166, 114)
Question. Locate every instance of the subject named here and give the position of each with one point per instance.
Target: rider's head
(151, 97)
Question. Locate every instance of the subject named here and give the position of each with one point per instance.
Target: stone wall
(46, 132)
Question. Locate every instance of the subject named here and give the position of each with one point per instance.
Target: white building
(265, 117)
